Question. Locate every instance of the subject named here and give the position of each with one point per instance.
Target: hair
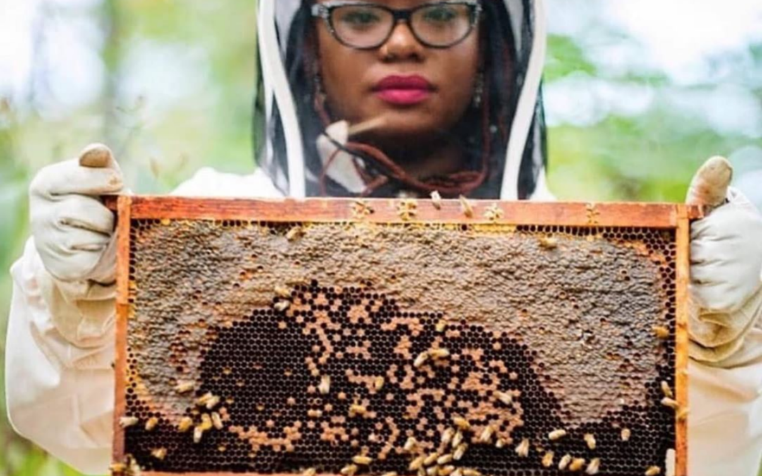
(483, 132)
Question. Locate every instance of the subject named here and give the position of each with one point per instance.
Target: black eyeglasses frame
(325, 11)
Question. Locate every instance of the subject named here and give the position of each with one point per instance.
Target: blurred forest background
(639, 93)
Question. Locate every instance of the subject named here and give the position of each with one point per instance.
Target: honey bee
(281, 306)
(309, 472)
(682, 414)
(504, 397)
(212, 402)
(466, 208)
(432, 470)
(447, 436)
(661, 332)
(547, 460)
(436, 200)
(556, 435)
(577, 464)
(500, 443)
(362, 460)
(445, 459)
(282, 292)
(410, 445)
(349, 470)
(198, 433)
(185, 424)
(390, 473)
(626, 433)
(471, 472)
(593, 467)
(361, 209)
(216, 420)
(461, 422)
(407, 209)
(493, 213)
(206, 422)
(457, 439)
(159, 453)
(457, 472)
(356, 409)
(486, 435)
(378, 383)
(151, 423)
(666, 390)
(325, 384)
(117, 468)
(653, 471)
(564, 463)
(421, 359)
(445, 470)
(202, 400)
(417, 463)
(184, 387)
(441, 326)
(430, 459)
(523, 448)
(126, 422)
(295, 233)
(668, 402)
(548, 242)
(439, 353)
(460, 451)
(590, 440)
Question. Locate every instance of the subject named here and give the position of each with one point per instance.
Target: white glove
(72, 228)
(726, 265)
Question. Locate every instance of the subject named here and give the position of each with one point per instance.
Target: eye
(358, 17)
(440, 14)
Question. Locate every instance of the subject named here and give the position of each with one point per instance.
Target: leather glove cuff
(83, 312)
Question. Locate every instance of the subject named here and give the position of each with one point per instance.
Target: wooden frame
(675, 217)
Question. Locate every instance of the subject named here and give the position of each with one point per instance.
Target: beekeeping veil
(285, 151)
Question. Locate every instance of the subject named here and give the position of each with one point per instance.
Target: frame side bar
(681, 339)
(122, 315)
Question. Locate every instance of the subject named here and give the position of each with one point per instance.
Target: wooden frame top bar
(647, 215)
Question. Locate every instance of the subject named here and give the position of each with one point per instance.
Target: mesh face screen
(429, 349)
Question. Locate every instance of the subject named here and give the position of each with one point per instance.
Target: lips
(404, 90)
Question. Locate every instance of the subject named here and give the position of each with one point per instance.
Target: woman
(440, 96)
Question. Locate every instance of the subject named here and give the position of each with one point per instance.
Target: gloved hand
(726, 264)
(72, 229)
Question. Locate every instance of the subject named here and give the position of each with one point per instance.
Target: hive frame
(675, 217)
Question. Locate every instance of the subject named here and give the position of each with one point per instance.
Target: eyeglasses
(367, 26)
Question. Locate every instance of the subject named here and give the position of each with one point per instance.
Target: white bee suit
(59, 381)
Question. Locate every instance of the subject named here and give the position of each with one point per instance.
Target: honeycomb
(429, 349)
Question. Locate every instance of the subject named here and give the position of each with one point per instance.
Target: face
(421, 92)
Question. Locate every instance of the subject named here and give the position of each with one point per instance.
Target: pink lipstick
(403, 90)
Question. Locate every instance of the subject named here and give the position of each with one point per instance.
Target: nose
(402, 45)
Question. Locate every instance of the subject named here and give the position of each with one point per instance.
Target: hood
(524, 159)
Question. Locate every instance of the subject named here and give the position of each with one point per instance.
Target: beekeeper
(439, 95)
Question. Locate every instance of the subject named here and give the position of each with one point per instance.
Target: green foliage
(648, 156)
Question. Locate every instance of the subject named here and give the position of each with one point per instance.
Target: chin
(404, 135)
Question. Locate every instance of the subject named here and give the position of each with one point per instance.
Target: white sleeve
(60, 394)
(207, 182)
(725, 421)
